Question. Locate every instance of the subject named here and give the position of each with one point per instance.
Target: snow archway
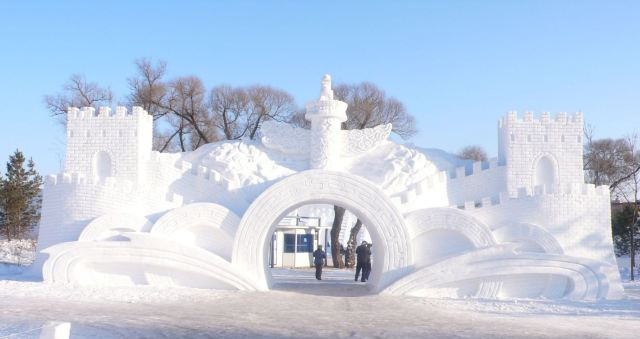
(546, 172)
(386, 225)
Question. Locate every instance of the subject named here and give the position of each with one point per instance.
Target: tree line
(188, 115)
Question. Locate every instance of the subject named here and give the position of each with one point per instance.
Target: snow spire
(326, 116)
(326, 93)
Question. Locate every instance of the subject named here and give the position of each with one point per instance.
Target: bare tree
(186, 99)
(77, 92)
(185, 117)
(336, 227)
(298, 119)
(239, 112)
(148, 88)
(369, 106)
(473, 152)
(230, 111)
(268, 103)
(353, 239)
(608, 161)
(181, 101)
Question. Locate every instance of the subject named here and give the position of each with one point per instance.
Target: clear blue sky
(457, 65)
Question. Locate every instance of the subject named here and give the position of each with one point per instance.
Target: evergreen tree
(20, 198)
(621, 222)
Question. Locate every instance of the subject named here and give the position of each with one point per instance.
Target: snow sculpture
(522, 225)
(114, 224)
(326, 116)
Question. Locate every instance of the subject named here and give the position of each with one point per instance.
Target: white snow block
(56, 330)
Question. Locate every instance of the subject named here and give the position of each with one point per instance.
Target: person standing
(318, 260)
(363, 256)
(366, 267)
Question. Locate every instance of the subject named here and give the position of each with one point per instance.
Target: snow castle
(522, 225)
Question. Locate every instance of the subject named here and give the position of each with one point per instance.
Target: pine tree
(20, 198)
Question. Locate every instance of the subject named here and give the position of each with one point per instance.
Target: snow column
(326, 116)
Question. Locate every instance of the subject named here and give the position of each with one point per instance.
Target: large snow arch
(391, 241)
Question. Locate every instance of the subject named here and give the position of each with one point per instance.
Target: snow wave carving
(206, 225)
(143, 259)
(109, 225)
(530, 237)
(487, 273)
(360, 141)
(363, 198)
(438, 233)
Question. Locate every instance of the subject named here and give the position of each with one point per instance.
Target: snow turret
(108, 145)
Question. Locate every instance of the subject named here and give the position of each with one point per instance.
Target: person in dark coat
(363, 256)
(366, 267)
(318, 260)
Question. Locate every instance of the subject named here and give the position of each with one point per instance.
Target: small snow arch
(545, 171)
(389, 235)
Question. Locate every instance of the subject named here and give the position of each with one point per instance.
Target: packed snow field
(301, 307)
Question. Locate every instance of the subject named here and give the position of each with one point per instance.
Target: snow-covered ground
(20, 252)
(302, 307)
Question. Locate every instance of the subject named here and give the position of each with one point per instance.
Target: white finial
(326, 93)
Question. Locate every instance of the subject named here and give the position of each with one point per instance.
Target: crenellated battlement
(476, 168)
(204, 173)
(558, 190)
(74, 113)
(79, 179)
(419, 188)
(561, 118)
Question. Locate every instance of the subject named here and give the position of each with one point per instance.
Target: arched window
(102, 167)
(545, 172)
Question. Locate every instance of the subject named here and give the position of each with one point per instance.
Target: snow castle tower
(541, 152)
(108, 145)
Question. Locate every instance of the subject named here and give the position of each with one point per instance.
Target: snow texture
(302, 307)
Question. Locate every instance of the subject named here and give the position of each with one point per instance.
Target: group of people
(363, 261)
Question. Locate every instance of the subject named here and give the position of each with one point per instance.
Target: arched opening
(307, 232)
(102, 166)
(393, 255)
(545, 172)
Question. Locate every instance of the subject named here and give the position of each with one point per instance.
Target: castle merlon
(74, 113)
(512, 118)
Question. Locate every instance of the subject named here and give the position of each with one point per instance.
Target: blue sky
(457, 65)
